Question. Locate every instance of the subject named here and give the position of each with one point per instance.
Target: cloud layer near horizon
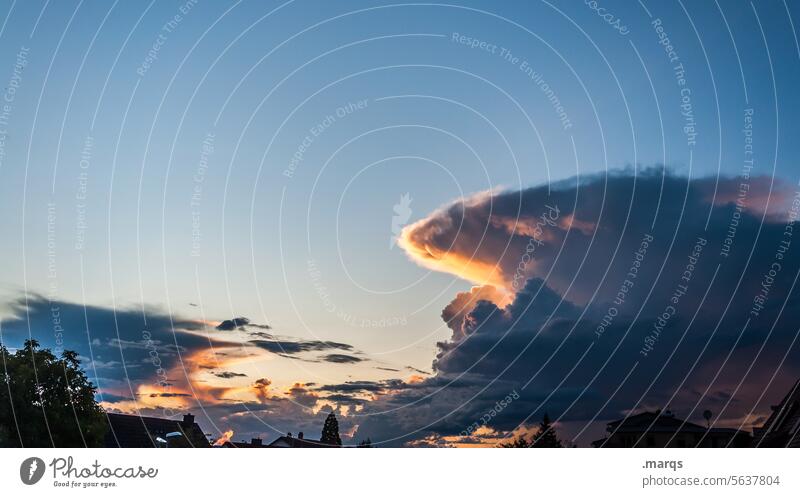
(149, 362)
(592, 298)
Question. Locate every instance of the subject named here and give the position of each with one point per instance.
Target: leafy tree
(46, 401)
(330, 431)
(545, 437)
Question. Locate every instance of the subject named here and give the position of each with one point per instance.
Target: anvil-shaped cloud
(583, 224)
(600, 295)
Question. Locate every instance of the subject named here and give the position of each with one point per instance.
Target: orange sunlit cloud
(470, 240)
(415, 378)
(569, 222)
(225, 438)
(469, 268)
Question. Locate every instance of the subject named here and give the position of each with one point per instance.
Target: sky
(404, 212)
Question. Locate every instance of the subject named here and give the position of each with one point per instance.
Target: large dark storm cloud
(613, 293)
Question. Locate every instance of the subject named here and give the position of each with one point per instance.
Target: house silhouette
(131, 431)
(782, 428)
(663, 429)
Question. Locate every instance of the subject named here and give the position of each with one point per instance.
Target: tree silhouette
(46, 401)
(365, 444)
(330, 431)
(544, 438)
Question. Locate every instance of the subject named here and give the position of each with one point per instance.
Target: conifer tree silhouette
(330, 431)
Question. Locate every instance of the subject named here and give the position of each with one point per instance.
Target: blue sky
(197, 144)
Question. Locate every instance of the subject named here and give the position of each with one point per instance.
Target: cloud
(573, 283)
(261, 386)
(286, 346)
(228, 374)
(500, 238)
(110, 397)
(341, 358)
(156, 364)
(241, 323)
(232, 324)
(416, 370)
(126, 343)
(457, 310)
(344, 399)
(363, 386)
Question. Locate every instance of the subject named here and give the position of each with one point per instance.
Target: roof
(782, 428)
(127, 431)
(255, 443)
(654, 422)
(666, 423)
(297, 443)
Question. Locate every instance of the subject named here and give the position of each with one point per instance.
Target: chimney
(188, 420)
(300, 435)
(289, 434)
(256, 442)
